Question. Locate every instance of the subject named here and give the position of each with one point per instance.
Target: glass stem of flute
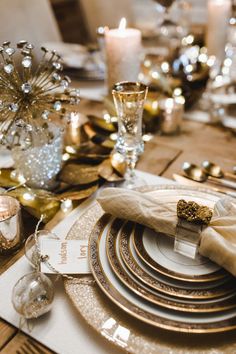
(131, 160)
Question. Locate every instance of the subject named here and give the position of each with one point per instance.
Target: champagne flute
(174, 30)
(165, 3)
(167, 23)
(129, 98)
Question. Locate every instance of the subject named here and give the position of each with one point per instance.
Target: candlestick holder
(11, 235)
(129, 98)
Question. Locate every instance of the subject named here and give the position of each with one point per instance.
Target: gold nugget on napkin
(193, 212)
(218, 239)
(192, 218)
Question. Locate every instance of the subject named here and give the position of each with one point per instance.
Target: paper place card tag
(67, 256)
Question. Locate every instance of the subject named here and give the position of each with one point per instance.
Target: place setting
(118, 214)
(203, 294)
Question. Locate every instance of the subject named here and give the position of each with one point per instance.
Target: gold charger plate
(119, 328)
(116, 233)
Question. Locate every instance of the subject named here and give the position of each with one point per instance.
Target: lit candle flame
(122, 25)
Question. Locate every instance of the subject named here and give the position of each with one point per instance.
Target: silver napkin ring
(192, 219)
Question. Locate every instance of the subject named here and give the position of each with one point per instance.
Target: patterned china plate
(156, 249)
(141, 309)
(115, 233)
(174, 287)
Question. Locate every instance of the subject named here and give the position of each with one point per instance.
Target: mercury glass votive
(39, 164)
(129, 98)
(171, 115)
(11, 235)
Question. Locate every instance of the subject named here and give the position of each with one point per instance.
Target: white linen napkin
(218, 240)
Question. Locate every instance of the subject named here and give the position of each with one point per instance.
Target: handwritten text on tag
(67, 256)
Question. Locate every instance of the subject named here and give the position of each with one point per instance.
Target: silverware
(215, 170)
(197, 174)
(189, 182)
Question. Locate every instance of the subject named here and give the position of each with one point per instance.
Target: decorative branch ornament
(29, 98)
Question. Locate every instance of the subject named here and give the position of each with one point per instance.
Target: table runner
(63, 329)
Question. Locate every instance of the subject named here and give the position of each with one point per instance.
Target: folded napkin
(218, 240)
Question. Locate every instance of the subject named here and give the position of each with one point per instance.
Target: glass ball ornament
(33, 295)
(31, 252)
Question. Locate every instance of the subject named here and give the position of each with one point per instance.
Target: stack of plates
(78, 61)
(139, 271)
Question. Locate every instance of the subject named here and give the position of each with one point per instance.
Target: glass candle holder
(129, 98)
(40, 164)
(171, 116)
(11, 235)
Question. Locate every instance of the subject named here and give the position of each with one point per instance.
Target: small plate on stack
(139, 271)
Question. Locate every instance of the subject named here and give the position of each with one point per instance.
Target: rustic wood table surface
(163, 156)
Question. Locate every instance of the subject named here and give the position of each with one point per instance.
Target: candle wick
(122, 25)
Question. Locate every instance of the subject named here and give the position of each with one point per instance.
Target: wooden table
(163, 156)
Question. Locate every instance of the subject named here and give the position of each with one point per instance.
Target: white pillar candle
(218, 18)
(123, 47)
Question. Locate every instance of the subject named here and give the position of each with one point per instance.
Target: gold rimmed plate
(148, 276)
(163, 284)
(114, 234)
(157, 250)
(141, 309)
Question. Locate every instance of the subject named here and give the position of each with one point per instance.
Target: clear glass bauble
(30, 246)
(32, 295)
